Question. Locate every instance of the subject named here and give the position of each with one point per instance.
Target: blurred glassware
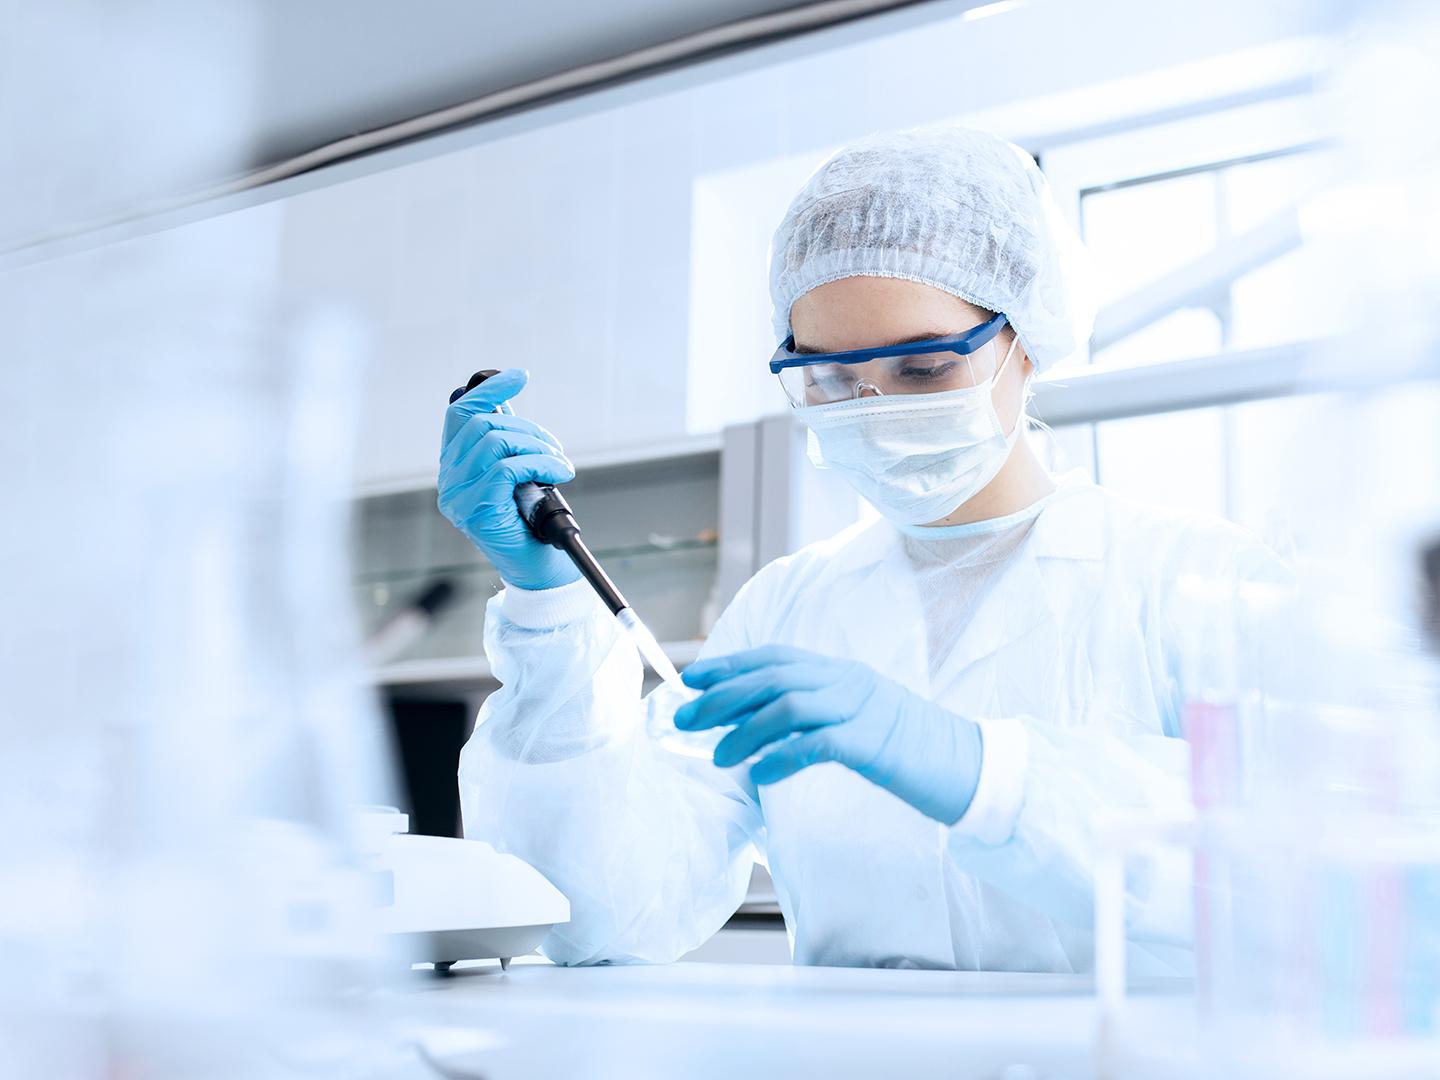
(186, 727)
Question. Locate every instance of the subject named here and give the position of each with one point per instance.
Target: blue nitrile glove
(484, 455)
(837, 710)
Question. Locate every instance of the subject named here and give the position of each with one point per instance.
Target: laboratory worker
(919, 724)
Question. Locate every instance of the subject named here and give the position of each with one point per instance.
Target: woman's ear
(1020, 358)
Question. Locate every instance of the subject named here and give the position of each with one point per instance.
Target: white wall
(575, 249)
(564, 251)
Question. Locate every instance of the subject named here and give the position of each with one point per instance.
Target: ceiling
(109, 110)
(336, 67)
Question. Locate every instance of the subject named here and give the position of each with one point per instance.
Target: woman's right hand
(484, 456)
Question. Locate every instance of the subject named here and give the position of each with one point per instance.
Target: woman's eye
(927, 371)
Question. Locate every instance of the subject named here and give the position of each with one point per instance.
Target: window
(1170, 212)
(1174, 211)
(1139, 230)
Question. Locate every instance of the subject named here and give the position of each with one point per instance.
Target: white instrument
(449, 900)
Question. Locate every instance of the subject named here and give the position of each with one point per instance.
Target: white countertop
(701, 1020)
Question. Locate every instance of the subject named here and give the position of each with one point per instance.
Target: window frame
(1082, 395)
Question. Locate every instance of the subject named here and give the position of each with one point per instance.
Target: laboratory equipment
(184, 898)
(1313, 848)
(1430, 560)
(1317, 948)
(409, 624)
(551, 520)
(440, 899)
(545, 510)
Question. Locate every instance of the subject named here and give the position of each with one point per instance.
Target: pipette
(552, 522)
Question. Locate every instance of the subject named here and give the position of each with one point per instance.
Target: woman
(925, 714)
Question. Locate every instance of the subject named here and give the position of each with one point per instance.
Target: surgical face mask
(914, 457)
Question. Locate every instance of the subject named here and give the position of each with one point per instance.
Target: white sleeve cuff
(1005, 754)
(545, 609)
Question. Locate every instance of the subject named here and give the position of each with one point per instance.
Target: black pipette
(550, 518)
(1430, 561)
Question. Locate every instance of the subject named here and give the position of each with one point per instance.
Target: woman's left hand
(818, 709)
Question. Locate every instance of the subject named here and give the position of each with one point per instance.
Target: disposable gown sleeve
(653, 849)
(1044, 785)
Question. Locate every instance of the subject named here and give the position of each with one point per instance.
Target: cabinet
(679, 531)
(653, 525)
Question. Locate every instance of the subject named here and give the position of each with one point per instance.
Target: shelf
(677, 449)
(478, 566)
(456, 669)
(476, 669)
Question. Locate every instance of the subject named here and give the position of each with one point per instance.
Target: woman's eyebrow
(807, 350)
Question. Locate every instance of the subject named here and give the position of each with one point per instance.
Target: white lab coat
(1073, 663)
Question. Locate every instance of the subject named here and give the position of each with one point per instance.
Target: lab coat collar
(866, 562)
(1071, 527)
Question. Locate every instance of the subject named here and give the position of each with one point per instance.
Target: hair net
(951, 207)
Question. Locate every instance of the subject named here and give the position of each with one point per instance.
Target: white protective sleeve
(653, 849)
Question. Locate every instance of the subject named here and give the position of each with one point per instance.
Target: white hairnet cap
(951, 207)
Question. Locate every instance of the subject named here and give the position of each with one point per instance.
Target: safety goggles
(917, 367)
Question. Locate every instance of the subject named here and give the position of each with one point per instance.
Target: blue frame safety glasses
(913, 367)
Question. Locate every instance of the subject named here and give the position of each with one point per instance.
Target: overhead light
(984, 11)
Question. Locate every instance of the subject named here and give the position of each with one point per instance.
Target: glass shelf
(651, 526)
(604, 555)
(668, 587)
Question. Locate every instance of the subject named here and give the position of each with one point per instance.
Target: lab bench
(701, 1020)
